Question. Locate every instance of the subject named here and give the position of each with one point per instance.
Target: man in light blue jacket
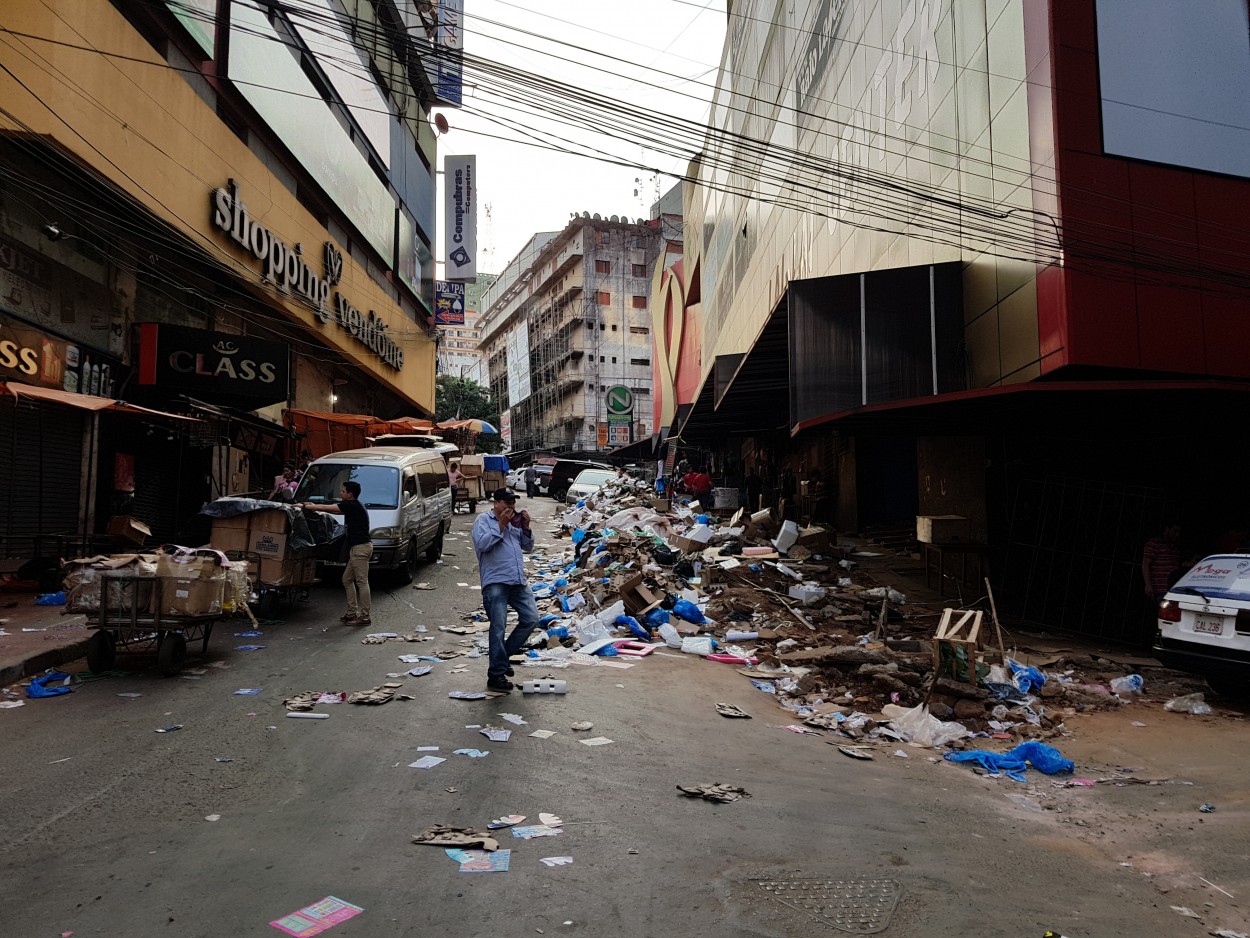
(501, 539)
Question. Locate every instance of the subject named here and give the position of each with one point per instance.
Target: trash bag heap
(789, 609)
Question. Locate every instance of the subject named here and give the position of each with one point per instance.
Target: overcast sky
(524, 189)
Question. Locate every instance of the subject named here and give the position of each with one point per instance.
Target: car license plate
(1213, 625)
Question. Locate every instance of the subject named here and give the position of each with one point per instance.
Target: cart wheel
(101, 652)
(172, 653)
(435, 550)
(267, 605)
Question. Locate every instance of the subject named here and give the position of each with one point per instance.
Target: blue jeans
(497, 597)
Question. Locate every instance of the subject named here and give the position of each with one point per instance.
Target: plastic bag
(697, 645)
(1026, 678)
(657, 618)
(634, 626)
(38, 687)
(670, 635)
(1012, 763)
(918, 725)
(51, 599)
(1129, 684)
(1190, 703)
(685, 609)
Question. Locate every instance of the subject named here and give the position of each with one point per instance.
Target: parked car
(516, 479)
(588, 482)
(1204, 623)
(405, 491)
(565, 471)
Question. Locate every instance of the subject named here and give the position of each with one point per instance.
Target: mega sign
(286, 269)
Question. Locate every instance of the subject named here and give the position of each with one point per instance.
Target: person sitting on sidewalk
(359, 551)
(501, 538)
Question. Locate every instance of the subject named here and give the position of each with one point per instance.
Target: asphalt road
(103, 828)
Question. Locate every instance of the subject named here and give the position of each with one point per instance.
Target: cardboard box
(192, 596)
(662, 505)
(132, 529)
(943, 529)
(686, 545)
(289, 571)
(816, 539)
(263, 532)
(638, 599)
(473, 465)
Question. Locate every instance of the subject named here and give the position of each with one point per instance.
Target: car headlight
(384, 534)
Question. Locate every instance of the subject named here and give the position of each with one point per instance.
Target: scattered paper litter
(426, 762)
(529, 832)
(419, 672)
(132, 696)
(551, 820)
(555, 861)
(481, 861)
(513, 718)
(496, 735)
(467, 695)
(1182, 910)
(595, 741)
(241, 692)
(316, 918)
(542, 734)
(473, 753)
(212, 817)
(427, 749)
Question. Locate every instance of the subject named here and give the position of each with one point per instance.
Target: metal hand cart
(269, 594)
(130, 619)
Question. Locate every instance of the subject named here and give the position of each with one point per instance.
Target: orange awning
(85, 401)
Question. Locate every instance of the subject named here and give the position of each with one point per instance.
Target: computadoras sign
(285, 267)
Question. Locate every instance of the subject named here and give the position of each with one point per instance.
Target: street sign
(448, 303)
(603, 435)
(618, 435)
(618, 419)
(620, 400)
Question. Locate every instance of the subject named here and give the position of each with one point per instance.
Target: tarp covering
(333, 433)
(308, 529)
(85, 401)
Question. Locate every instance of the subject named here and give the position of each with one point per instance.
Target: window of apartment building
(639, 270)
(640, 361)
(639, 302)
(614, 359)
(639, 330)
(641, 392)
(602, 327)
(603, 298)
(603, 267)
(603, 237)
(600, 358)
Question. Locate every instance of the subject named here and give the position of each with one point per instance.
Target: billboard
(518, 345)
(448, 51)
(448, 303)
(460, 217)
(505, 429)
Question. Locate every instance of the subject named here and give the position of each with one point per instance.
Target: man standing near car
(531, 481)
(501, 539)
(359, 551)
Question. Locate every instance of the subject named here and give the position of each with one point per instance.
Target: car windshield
(379, 485)
(593, 477)
(1226, 576)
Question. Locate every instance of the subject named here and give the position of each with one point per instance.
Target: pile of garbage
(790, 608)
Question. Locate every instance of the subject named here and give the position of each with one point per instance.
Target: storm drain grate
(859, 906)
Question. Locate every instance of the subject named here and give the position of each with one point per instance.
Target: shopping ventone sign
(285, 267)
(213, 365)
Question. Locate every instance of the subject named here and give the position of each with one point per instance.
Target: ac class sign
(285, 267)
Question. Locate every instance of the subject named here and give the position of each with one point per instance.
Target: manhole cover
(859, 906)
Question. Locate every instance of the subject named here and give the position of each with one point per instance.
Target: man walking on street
(531, 482)
(501, 538)
(359, 550)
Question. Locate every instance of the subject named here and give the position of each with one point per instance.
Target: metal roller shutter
(42, 446)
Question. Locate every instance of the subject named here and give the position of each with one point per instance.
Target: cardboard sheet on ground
(316, 918)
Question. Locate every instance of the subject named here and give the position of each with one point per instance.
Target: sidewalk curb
(49, 658)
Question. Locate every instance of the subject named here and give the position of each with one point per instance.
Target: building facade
(978, 258)
(567, 323)
(212, 209)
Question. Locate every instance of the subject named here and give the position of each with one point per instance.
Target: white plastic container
(544, 686)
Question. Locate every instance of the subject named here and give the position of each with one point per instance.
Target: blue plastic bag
(1027, 678)
(634, 626)
(657, 617)
(579, 535)
(37, 687)
(701, 519)
(51, 599)
(685, 609)
(607, 651)
(1012, 763)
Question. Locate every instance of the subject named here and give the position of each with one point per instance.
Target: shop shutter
(42, 446)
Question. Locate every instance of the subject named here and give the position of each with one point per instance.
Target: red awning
(85, 401)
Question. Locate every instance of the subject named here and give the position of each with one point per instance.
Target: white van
(406, 493)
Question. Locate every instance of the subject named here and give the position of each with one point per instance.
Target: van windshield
(379, 485)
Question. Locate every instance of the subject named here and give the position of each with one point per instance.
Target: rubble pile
(793, 611)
